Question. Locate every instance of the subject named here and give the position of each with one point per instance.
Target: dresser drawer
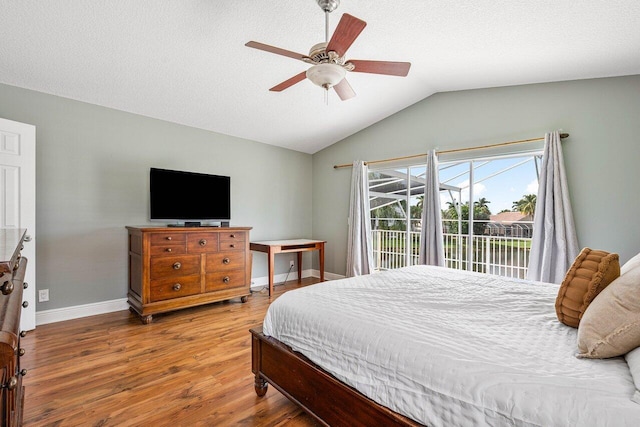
(168, 249)
(168, 238)
(233, 241)
(198, 243)
(225, 280)
(233, 236)
(182, 286)
(224, 261)
(174, 266)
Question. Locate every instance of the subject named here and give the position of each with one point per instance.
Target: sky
(501, 190)
(517, 179)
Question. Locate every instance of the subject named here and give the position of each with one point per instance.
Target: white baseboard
(259, 282)
(86, 310)
(78, 311)
(329, 276)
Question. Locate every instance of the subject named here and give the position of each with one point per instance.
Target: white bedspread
(451, 348)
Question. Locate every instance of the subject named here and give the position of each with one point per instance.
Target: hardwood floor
(188, 368)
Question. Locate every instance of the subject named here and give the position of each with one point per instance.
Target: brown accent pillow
(589, 274)
(611, 324)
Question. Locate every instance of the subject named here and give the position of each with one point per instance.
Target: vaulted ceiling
(185, 61)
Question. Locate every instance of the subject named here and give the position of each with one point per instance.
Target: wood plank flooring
(188, 368)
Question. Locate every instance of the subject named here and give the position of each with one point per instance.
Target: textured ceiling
(185, 61)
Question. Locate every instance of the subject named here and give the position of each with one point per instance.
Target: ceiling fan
(328, 64)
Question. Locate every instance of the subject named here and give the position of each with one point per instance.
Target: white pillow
(610, 325)
(633, 360)
(631, 264)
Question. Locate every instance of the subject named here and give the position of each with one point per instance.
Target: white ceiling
(185, 61)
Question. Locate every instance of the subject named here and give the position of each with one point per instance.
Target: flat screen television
(188, 196)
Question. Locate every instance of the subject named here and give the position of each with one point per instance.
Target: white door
(18, 199)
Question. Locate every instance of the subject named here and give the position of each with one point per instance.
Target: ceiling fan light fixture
(327, 59)
(326, 75)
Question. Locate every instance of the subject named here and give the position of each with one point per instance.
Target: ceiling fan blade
(348, 29)
(344, 90)
(381, 67)
(288, 83)
(276, 50)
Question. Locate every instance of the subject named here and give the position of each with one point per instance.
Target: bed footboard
(325, 398)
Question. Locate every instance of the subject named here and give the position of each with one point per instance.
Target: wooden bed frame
(320, 394)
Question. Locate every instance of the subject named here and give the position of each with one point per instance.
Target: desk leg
(299, 267)
(321, 256)
(271, 268)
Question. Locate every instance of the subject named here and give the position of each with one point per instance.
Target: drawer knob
(25, 304)
(233, 236)
(21, 352)
(23, 334)
(169, 238)
(226, 261)
(203, 242)
(25, 285)
(12, 383)
(177, 287)
(226, 279)
(177, 265)
(233, 245)
(7, 287)
(23, 372)
(168, 249)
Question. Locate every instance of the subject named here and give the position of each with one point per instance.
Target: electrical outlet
(290, 263)
(43, 295)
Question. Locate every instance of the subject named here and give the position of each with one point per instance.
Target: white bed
(447, 348)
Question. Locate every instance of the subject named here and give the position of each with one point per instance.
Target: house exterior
(510, 224)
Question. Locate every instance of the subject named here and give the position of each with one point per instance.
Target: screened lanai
(474, 237)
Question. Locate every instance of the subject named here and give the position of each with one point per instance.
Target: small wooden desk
(272, 247)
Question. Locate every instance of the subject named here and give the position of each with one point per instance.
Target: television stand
(173, 268)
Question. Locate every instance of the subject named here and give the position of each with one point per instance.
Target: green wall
(602, 155)
(93, 164)
(93, 179)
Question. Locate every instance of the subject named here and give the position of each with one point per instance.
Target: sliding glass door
(487, 213)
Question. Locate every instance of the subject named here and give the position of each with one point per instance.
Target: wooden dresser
(172, 268)
(12, 269)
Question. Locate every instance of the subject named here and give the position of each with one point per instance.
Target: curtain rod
(458, 150)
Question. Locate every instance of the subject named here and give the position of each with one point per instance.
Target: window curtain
(555, 244)
(359, 245)
(431, 246)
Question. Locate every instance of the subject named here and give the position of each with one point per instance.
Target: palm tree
(479, 215)
(389, 217)
(526, 205)
(482, 205)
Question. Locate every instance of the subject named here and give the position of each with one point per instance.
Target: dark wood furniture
(172, 268)
(12, 269)
(319, 393)
(273, 247)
